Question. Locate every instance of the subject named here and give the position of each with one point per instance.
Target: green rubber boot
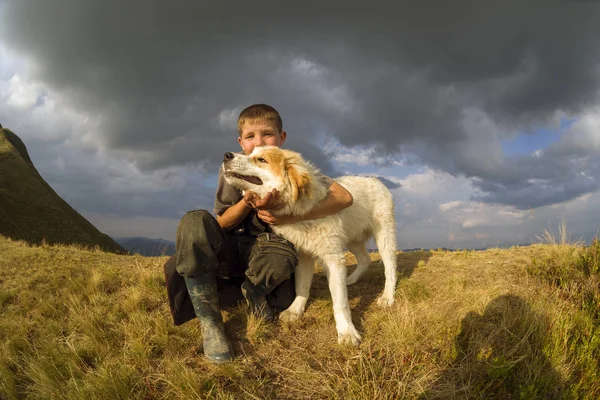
(203, 293)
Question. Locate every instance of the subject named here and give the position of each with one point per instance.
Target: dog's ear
(298, 176)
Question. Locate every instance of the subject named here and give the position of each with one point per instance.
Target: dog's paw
(384, 301)
(289, 316)
(351, 337)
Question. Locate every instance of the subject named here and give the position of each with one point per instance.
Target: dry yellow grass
(79, 324)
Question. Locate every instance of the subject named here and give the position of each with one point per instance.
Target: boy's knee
(198, 241)
(274, 260)
(195, 217)
(197, 223)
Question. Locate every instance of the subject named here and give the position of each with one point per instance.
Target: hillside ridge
(31, 210)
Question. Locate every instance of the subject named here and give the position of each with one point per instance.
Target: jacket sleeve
(226, 196)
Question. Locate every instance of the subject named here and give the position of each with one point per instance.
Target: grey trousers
(202, 247)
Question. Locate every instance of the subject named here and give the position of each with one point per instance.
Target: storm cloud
(160, 84)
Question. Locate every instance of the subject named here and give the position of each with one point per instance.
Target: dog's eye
(262, 160)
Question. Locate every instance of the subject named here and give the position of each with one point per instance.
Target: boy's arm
(235, 214)
(337, 199)
(229, 209)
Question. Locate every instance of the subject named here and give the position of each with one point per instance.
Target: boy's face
(260, 133)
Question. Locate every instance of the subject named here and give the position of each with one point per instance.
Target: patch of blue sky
(41, 99)
(211, 181)
(566, 123)
(539, 139)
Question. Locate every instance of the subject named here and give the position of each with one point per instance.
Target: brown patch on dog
(299, 178)
(275, 161)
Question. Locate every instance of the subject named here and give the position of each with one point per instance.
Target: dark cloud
(87, 184)
(535, 193)
(162, 80)
(565, 170)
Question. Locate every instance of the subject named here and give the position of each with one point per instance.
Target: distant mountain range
(30, 210)
(147, 246)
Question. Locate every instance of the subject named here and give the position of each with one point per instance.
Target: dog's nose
(228, 156)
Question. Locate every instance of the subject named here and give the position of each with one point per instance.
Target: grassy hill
(31, 210)
(512, 323)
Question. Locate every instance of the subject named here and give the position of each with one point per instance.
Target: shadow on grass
(361, 295)
(500, 354)
(370, 286)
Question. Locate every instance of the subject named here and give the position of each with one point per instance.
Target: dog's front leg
(303, 277)
(335, 267)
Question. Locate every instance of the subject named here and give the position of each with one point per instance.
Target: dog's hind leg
(303, 277)
(385, 237)
(363, 260)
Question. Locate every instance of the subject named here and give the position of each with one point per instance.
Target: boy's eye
(262, 160)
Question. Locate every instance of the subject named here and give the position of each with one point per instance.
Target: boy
(238, 243)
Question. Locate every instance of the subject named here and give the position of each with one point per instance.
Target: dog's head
(268, 168)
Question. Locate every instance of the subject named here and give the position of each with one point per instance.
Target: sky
(482, 117)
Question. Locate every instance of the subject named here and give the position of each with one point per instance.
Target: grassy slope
(31, 210)
(82, 324)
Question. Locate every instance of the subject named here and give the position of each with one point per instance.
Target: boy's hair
(259, 112)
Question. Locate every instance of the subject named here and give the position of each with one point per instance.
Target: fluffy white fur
(370, 215)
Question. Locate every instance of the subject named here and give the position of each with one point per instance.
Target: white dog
(370, 215)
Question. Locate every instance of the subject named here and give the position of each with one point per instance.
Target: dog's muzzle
(228, 156)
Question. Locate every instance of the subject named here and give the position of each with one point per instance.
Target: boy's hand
(271, 219)
(269, 202)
